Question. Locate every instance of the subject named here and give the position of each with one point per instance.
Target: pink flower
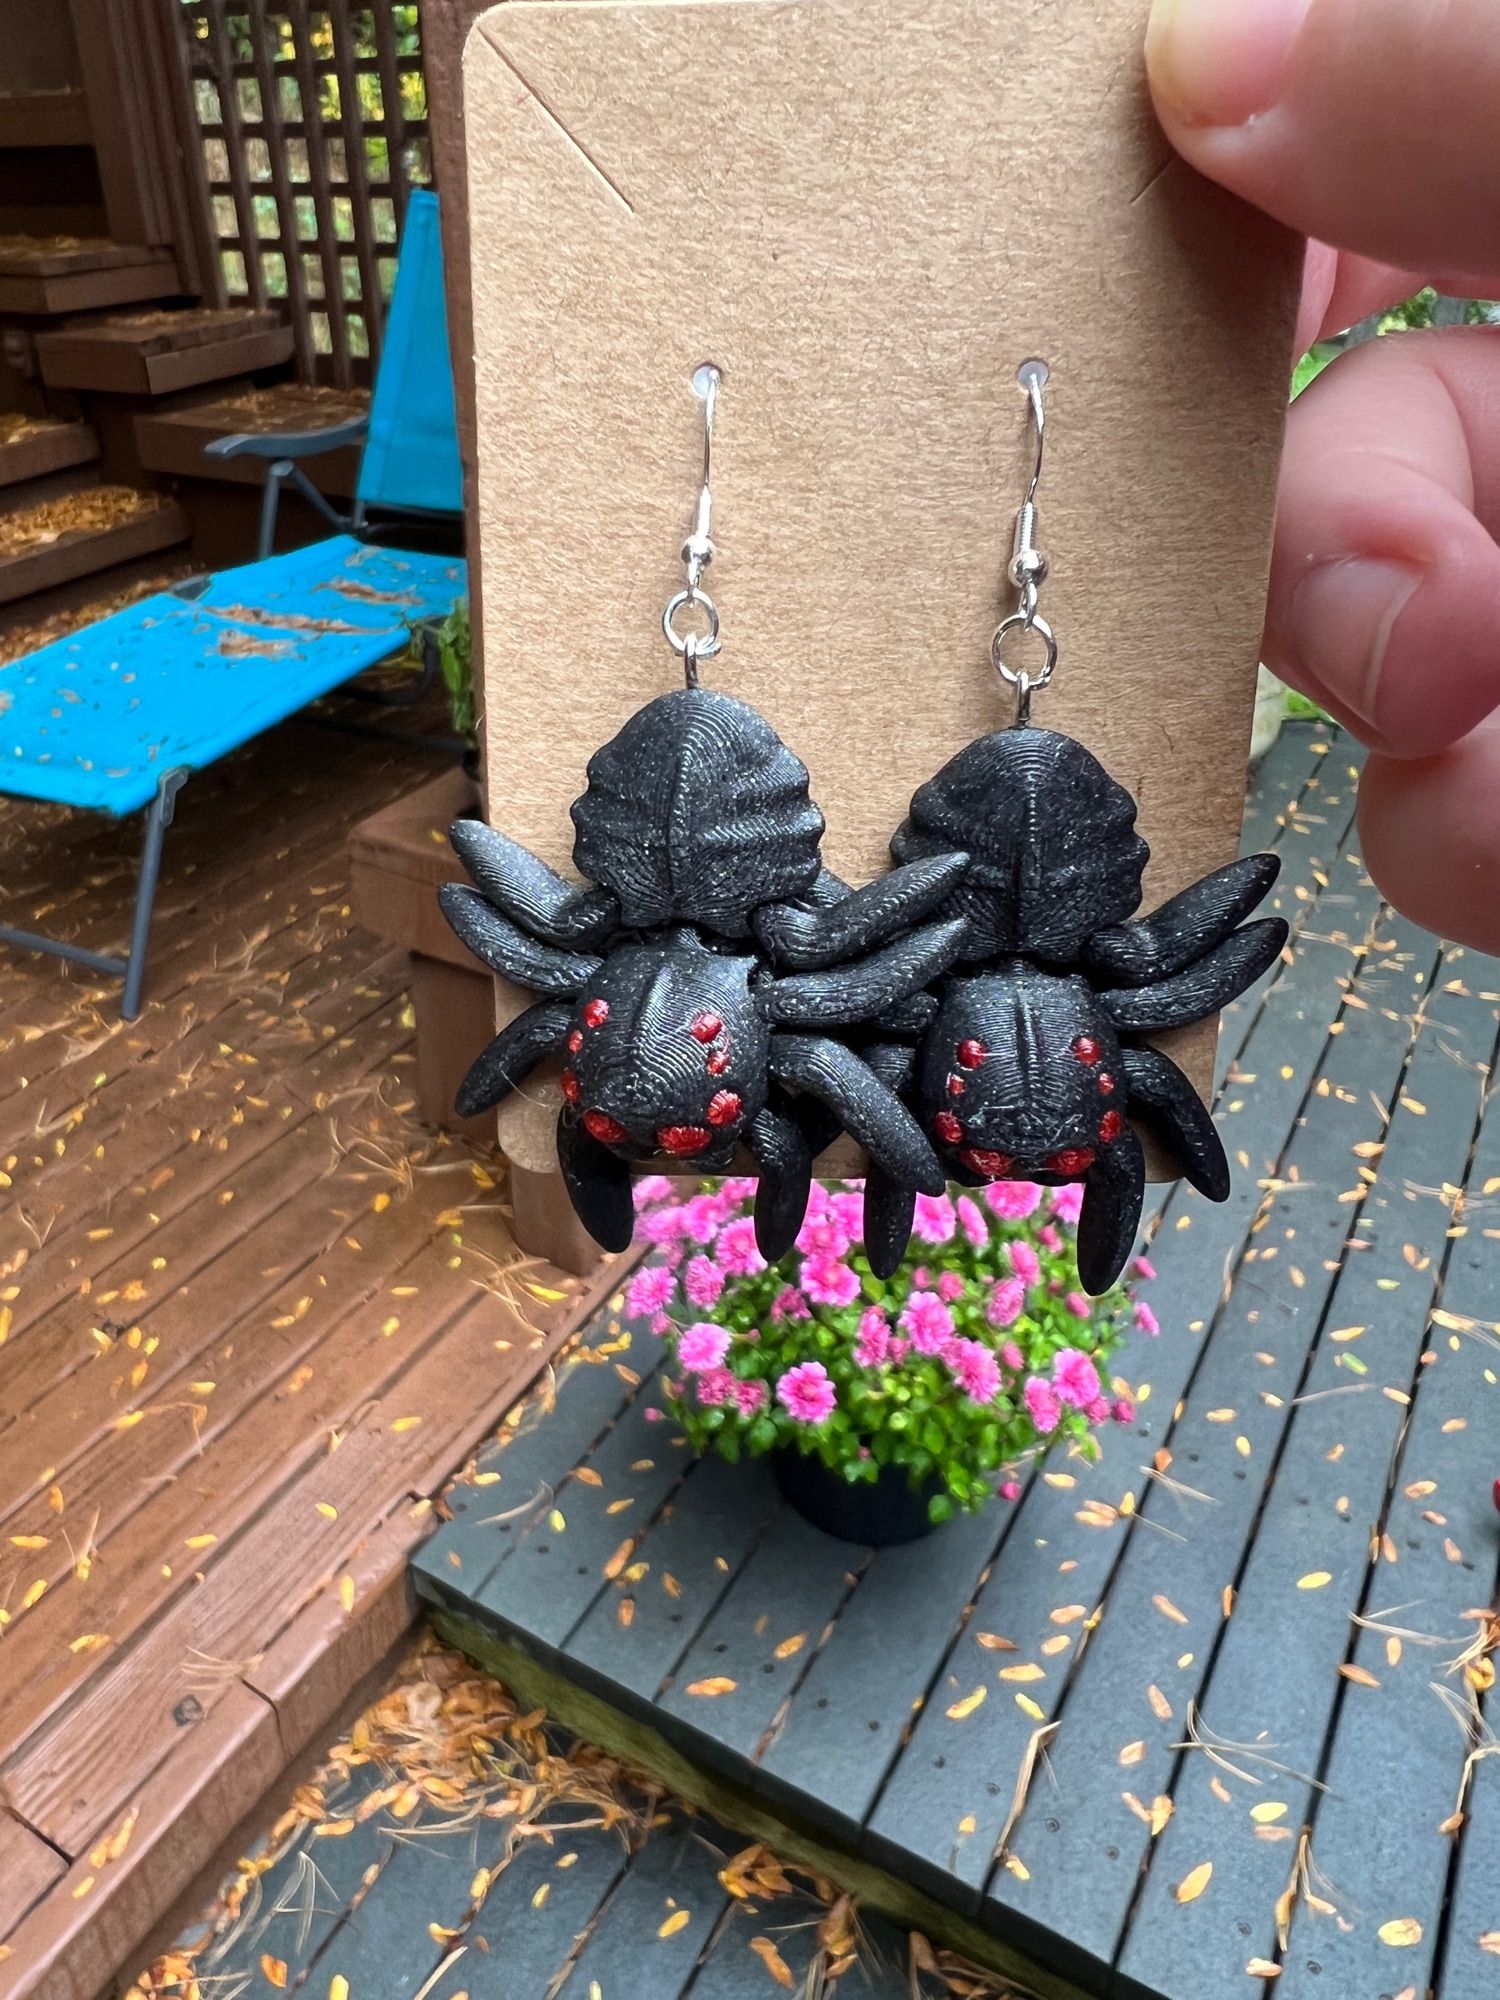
(1098, 1410)
(650, 1291)
(806, 1393)
(927, 1322)
(1145, 1319)
(738, 1188)
(950, 1287)
(900, 1348)
(1049, 1239)
(1041, 1401)
(701, 1217)
(935, 1220)
(971, 1221)
(736, 1253)
(1014, 1200)
(828, 1281)
(823, 1233)
(653, 1187)
(848, 1204)
(653, 1416)
(661, 1325)
(1079, 1306)
(660, 1225)
(921, 1279)
(975, 1370)
(1144, 1268)
(873, 1342)
(1075, 1378)
(790, 1304)
(702, 1346)
(714, 1387)
(1123, 1410)
(750, 1397)
(1007, 1301)
(1067, 1202)
(702, 1282)
(1024, 1262)
(1012, 1356)
(1011, 1490)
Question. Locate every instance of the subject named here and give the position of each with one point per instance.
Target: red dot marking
(1087, 1049)
(971, 1054)
(575, 1040)
(956, 1086)
(1106, 1083)
(947, 1128)
(1111, 1125)
(570, 1086)
(1072, 1160)
(724, 1107)
(718, 1061)
(596, 1013)
(684, 1140)
(995, 1166)
(604, 1128)
(708, 1027)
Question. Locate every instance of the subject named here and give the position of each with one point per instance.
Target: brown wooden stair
(58, 530)
(57, 117)
(154, 353)
(174, 441)
(67, 274)
(31, 447)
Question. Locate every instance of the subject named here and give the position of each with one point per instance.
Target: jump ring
(709, 643)
(1014, 677)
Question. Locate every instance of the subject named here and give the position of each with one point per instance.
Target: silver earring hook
(698, 549)
(1027, 569)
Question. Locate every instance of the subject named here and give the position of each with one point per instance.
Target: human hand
(1374, 126)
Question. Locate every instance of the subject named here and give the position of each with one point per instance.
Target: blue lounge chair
(120, 715)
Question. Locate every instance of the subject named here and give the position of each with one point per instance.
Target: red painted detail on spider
(956, 1086)
(971, 1054)
(724, 1107)
(981, 1161)
(575, 1040)
(1087, 1049)
(570, 1086)
(718, 1060)
(1106, 1083)
(684, 1140)
(1072, 1160)
(708, 1027)
(947, 1128)
(608, 1131)
(596, 1013)
(1111, 1125)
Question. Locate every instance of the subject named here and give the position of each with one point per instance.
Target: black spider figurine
(690, 989)
(1026, 1069)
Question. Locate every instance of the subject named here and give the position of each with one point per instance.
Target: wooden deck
(1216, 1710)
(251, 1318)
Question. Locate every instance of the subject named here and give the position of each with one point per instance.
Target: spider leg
(1184, 929)
(506, 948)
(839, 928)
(867, 987)
(910, 1017)
(868, 1111)
(524, 1042)
(1220, 976)
(529, 892)
(1158, 1086)
(598, 1184)
(889, 1204)
(1113, 1190)
(781, 1150)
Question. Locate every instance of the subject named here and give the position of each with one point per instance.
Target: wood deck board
(1355, 1078)
(244, 1544)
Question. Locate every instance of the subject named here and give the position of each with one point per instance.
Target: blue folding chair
(120, 715)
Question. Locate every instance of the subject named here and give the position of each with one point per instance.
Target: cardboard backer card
(867, 212)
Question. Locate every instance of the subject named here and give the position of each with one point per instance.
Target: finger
(1430, 836)
(1385, 586)
(1371, 124)
(1339, 290)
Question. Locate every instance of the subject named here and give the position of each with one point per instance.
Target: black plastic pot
(876, 1513)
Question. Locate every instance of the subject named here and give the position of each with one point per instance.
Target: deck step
(31, 447)
(174, 441)
(44, 118)
(69, 274)
(154, 353)
(67, 534)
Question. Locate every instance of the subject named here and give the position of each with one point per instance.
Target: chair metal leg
(158, 819)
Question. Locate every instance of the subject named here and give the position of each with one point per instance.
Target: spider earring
(688, 984)
(1030, 1064)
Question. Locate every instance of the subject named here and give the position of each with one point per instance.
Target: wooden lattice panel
(313, 131)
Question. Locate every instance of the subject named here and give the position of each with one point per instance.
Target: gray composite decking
(1228, 1655)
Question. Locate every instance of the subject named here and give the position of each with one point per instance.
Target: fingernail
(1222, 62)
(1342, 615)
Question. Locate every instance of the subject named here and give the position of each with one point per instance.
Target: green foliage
(455, 663)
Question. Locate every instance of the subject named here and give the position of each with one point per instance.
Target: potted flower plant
(884, 1405)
